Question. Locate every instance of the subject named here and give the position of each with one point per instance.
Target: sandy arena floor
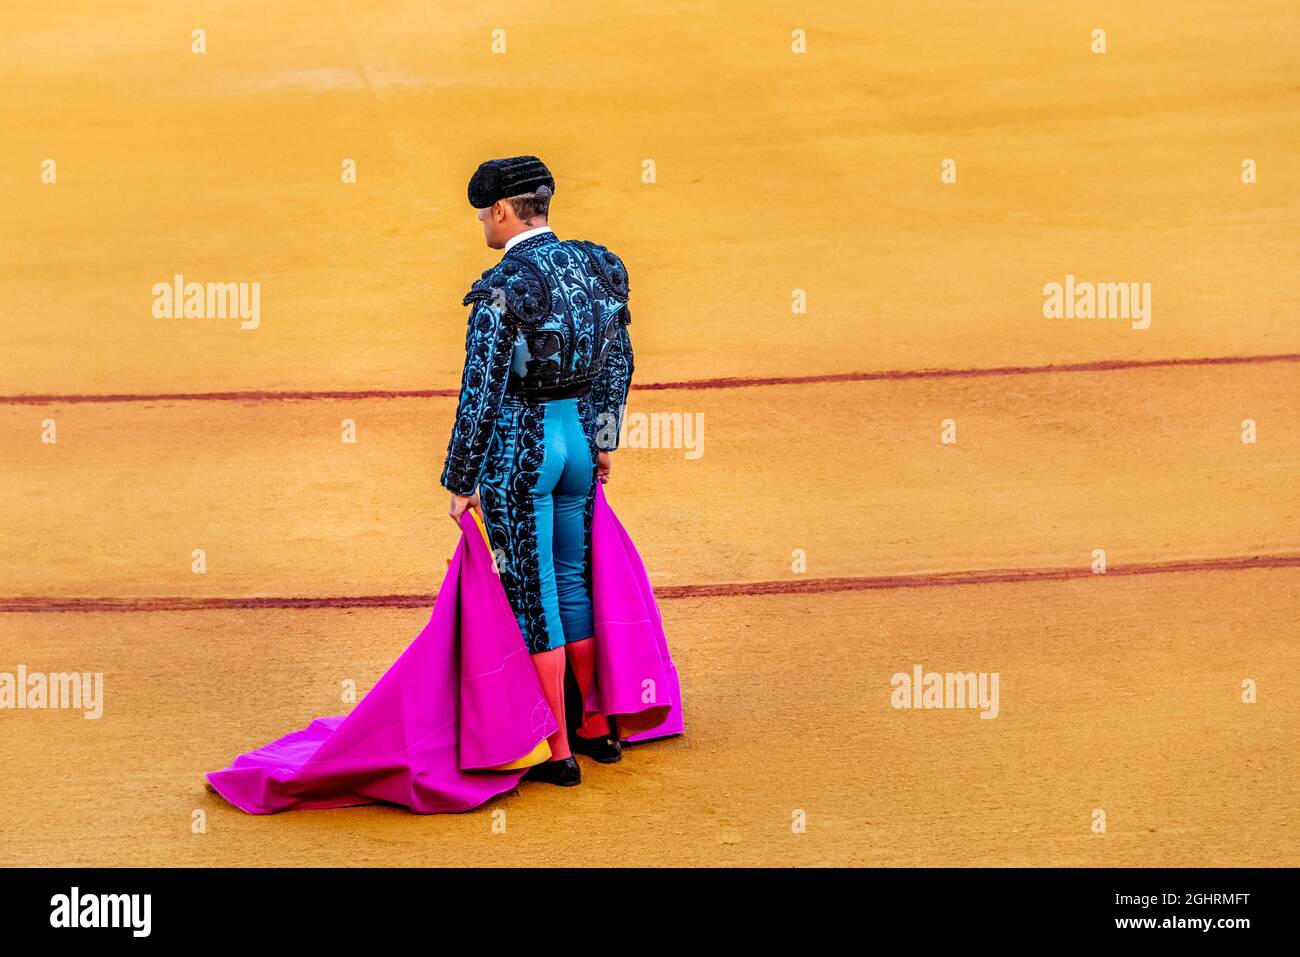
(774, 172)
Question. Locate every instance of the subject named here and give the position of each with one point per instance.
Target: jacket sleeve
(489, 340)
(612, 388)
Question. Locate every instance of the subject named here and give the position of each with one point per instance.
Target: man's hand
(461, 502)
(603, 462)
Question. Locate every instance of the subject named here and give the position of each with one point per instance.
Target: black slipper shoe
(606, 750)
(564, 773)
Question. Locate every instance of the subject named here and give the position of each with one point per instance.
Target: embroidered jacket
(548, 321)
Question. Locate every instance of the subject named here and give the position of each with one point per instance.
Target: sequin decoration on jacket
(548, 321)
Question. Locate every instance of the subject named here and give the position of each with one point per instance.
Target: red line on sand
(254, 396)
(992, 576)
(718, 590)
(732, 382)
(1101, 365)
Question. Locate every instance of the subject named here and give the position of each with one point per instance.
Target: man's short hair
(528, 205)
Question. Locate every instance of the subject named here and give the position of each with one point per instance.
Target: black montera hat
(499, 178)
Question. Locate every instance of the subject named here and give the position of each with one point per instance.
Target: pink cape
(465, 696)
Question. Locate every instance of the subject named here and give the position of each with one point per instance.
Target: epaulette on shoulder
(515, 286)
(608, 267)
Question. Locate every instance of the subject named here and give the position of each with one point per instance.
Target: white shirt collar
(526, 234)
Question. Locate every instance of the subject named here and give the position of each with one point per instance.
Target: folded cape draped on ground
(464, 700)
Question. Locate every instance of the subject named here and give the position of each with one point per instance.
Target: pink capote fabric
(465, 696)
(636, 681)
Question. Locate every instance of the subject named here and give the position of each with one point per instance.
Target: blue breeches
(537, 490)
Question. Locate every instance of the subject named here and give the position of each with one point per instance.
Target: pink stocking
(550, 668)
(583, 655)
